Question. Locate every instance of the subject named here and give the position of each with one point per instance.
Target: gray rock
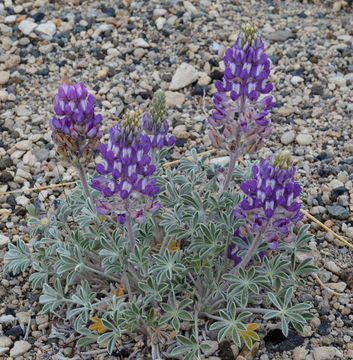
(331, 266)
(338, 212)
(46, 49)
(141, 43)
(287, 137)
(42, 154)
(295, 80)
(5, 319)
(174, 98)
(185, 75)
(348, 146)
(23, 110)
(5, 177)
(280, 35)
(4, 240)
(23, 317)
(160, 23)
(304, 139)
(180, 132)
(326, 353)
(337, 286)
(24, 145)
(5, 342)
(3, 351)
(27, 26)
(22, 200)
(189, 7)
(4, 77)
(47, 30)
(5, 30)
(299, 353)
(20, 348)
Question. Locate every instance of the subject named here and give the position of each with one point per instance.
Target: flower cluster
(75, 126)
(239, 123)
(155, 124)
(269, 206)
(126, 159)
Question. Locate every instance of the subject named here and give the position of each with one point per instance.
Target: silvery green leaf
(284, 326)
(18, 256)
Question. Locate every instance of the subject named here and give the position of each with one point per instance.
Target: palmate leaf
(52, 297)
(190, 347)
(230, 323)
(176, 311)
(18, 256)
(287, 313)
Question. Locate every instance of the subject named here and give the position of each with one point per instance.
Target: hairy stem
(164, 244)
(253, 247)
(232, 162)
(107, 276)
(252, 310)
(82, 175)
(129, 226)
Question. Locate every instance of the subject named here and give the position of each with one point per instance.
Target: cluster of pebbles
(126, 50)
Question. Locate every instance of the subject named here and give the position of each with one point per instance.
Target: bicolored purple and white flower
(76, 126)
(270, 204)
(240, 120)
(125, 172)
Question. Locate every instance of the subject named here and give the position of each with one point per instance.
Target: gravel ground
(124, 51)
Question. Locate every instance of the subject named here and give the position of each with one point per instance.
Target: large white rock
(160, 23)
(326, 353)
(299, 353)
(47, 30)
(304, 139)
(141, 43)
(20, 348)
(287, 137)
(180, 132)
(189, 7)
(4, 240)
(5, 341)
(185, 75)
(24, 145)
(23, 110)
(27, 26)
(174, 98)
(4, 77)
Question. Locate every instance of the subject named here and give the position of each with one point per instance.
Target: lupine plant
(146, 249)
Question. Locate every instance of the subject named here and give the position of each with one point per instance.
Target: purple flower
(239, 122)
(126, 158)
(75, 126)
(270, 201)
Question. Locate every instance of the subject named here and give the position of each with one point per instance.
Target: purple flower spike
(269, 205)
(75, 130)
(236, 124)
(126, 158)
